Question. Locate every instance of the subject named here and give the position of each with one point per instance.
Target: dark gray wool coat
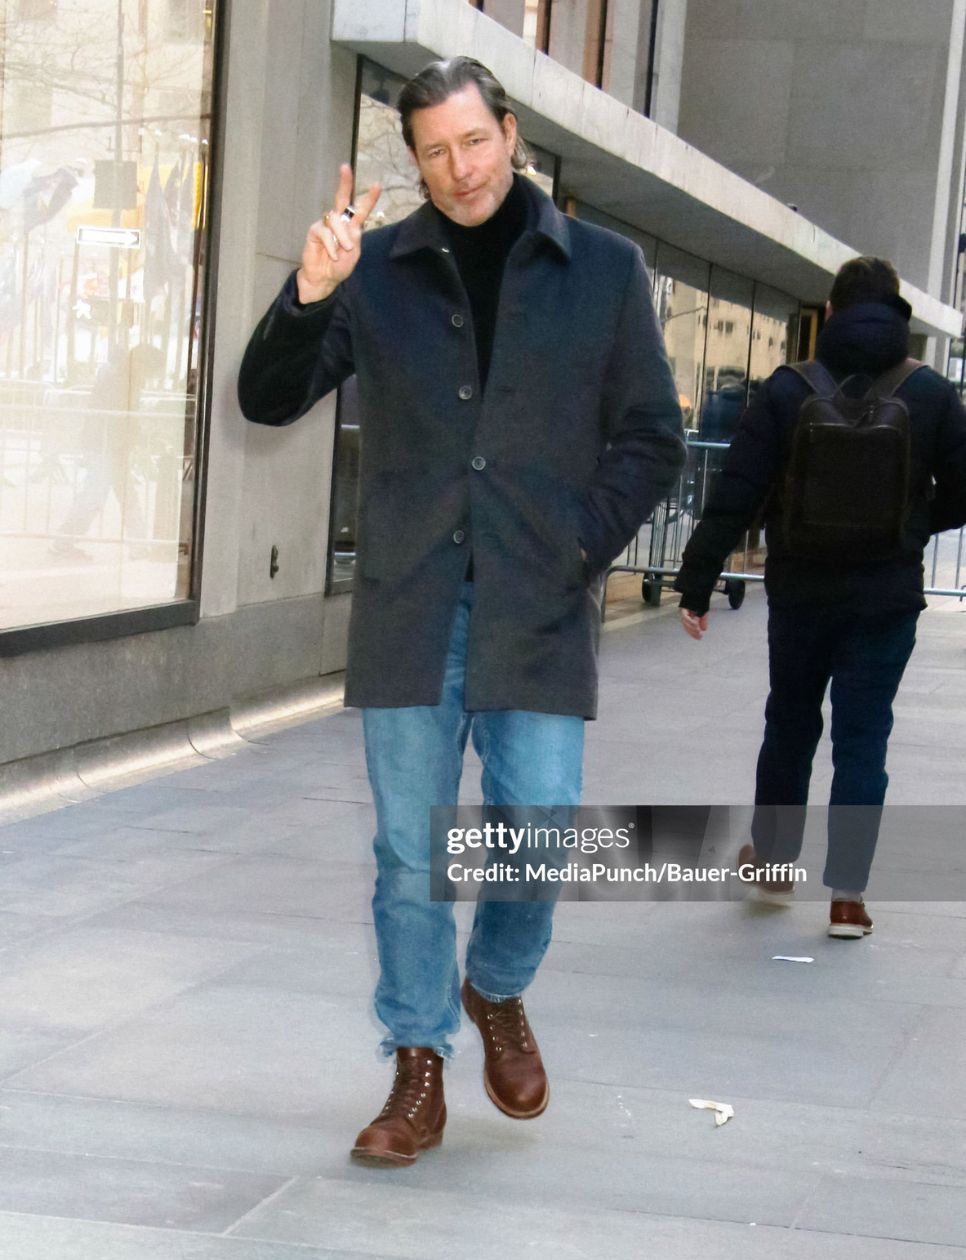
(575, 439)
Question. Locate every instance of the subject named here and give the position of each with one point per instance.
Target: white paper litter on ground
(722, 1111)
(791, 958)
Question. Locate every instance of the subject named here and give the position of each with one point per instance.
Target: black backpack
(846, 491)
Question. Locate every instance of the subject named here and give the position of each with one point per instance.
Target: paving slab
(246, 1051)
(882, 1208)
(83, 978)
(927, 1077)
(53, 1238)
(406, 1220)
(276, 884)
(187, 1045)
(65, 887)
(167, 1134)
(173, 1196)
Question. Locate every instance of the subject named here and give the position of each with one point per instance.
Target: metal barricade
(665, 536)
(671, 525)
(944, 565)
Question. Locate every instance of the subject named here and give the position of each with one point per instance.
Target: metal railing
(665, 536)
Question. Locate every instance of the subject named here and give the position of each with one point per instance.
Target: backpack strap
(820, 380)
(816, 376)
(885, 386)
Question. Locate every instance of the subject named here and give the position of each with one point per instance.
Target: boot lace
(506, 1022)
(410, 1089)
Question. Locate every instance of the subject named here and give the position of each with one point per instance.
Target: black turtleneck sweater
(480, 253)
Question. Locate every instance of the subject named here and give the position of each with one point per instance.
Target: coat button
(479, 463)
(457, 320)
(466, 392)
(459, 535)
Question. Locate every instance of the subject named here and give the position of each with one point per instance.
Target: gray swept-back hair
(440, 80)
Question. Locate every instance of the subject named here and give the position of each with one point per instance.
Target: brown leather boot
(513, 1071)
(414, 1115)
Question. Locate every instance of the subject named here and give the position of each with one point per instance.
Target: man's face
(463, 155)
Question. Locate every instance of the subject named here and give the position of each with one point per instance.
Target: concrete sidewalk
(187, 1049)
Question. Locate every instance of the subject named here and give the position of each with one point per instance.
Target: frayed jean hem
(389, 1046)
(492, 997)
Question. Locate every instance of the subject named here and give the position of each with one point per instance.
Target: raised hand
(331, 248)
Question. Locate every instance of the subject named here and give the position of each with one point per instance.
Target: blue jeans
(864, 658)
(415, 760)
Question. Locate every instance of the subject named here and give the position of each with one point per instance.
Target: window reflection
(774, 334)
(102, 209)
(681, 298)
(381, 152)
(726, 355)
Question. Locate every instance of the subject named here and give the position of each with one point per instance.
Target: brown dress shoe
(774, 892)
(513, 1072)
(414, 1115)
(849, 920)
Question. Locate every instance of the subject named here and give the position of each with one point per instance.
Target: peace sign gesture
(331, 248)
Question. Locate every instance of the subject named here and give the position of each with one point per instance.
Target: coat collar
(423, 230)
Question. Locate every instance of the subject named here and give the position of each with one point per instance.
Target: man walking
(519, 421)
(844, 614)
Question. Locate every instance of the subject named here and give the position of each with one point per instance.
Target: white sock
(844, 894)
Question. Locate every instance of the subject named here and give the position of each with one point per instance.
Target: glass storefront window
(726, 355)
(104, 160)
(681, 299)
(381, 154)
(774, 334)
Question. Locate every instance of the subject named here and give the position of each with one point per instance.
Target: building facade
(167, 567)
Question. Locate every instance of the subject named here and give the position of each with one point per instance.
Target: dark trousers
(864, 659)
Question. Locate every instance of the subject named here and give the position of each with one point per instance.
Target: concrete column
(949, 185)
(245, 76)
(629, 39)
(306, 131)
(570, 33)
(668, 62)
